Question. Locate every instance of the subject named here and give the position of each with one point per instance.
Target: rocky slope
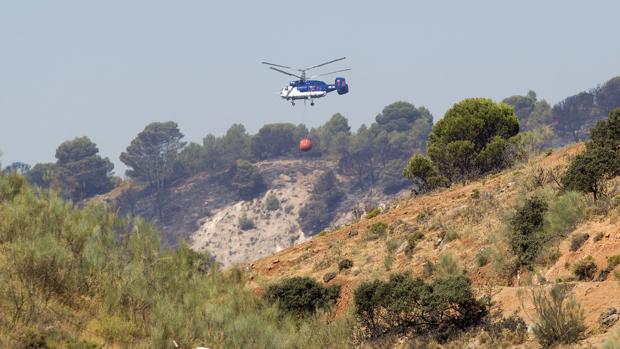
(460, 222)
(205, 212)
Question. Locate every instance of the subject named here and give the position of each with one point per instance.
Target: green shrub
(412, 241)
(424, 174)
(248, 182)
(559, 317)
(613, 261)
(56, 259)
(376, 231)
(404, 305)
(373, 213)
(320, 209)
(246, 223)
(388, 262)
(301, 295)
(578, 240)
(526, 236)
(391, 245)
(585, 269)
(449, 235)
(345, 264)
(272, 203)
(447, 266)
(564, 213)
(483, 257)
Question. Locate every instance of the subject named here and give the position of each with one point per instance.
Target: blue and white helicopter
(307, 89)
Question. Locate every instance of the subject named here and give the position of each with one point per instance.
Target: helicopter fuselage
(311, 89)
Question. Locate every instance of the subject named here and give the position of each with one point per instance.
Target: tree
(319, 211)
(18, 167)
(301, 295)
(152, 154)
(608, 96)
(572, 113)
(590, 170)
(531, 112)
(407, 306)
(335, 134)
(247, 180)
(424, 174)
(41, 175)
(274, 140)
(80, 171)
(464, 132)
(400, 116)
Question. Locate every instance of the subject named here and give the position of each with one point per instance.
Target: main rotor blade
(285, 72)
(333, 72)
(277, 65)
(322, 64)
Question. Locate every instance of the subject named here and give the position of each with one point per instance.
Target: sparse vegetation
(412, 241)
(483, 257)
(373, 213)
(246, 223)
(272, 203)
(585, 269)
(318, 212)
(564, 213)
(578, 240)
(345, 264)
(559, 317)
(376, 231)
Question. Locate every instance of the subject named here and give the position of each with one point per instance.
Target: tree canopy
(464, 132)
(151, 155)
(80, 171)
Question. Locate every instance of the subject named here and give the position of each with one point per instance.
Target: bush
(526, 237)
(248, 182)
(564, 213)
(447, 266)
(424, 174)
(272, 203)
(585, 269)
(404, 305)
(345, 264)
(373, 213)
(483, 257)
(246, 223)
(412, 241)
(376, 231)
(301, 295)
(560, 318)
(320, 209)
(578, 240)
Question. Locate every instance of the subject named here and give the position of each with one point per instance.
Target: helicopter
(307, 89)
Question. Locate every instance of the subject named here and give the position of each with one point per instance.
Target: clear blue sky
(105, 69)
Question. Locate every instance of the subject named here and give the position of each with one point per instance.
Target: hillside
(460, 222)
(205, 212)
